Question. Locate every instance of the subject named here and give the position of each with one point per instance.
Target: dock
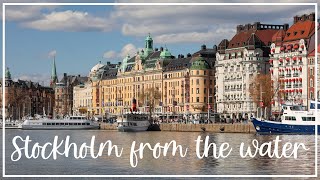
(176, 127)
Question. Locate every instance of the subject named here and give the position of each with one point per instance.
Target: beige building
(185, 83)
(82, 99)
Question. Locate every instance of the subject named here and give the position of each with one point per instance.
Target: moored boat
(11, 124)
(133, 122)
(70, 123)
(295, 119)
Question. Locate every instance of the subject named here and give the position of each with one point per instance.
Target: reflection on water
(190, 164)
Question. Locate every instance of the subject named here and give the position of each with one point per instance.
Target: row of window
(293, 118)
(66, 124)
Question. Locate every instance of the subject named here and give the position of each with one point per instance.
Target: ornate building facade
(238, 62)
(292, 76)
(186, 84)
(26, 98)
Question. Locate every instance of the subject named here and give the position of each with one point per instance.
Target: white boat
(69, 123)
(295, 119)
(133, 121)
(13, 124)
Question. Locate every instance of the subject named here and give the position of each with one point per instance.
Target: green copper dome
(7, 74)
(199, 64)
(165, 54)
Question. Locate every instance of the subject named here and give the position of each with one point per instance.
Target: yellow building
(185, 83)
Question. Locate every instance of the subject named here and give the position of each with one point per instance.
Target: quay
(217, 128)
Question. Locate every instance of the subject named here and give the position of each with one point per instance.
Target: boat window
(308, 118)
(88, 124)
(290, 118)
(44, 124)
(83, 124)
(79, 123)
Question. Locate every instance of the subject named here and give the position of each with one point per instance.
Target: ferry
(295, 119)
(69, 123)
(133, 122)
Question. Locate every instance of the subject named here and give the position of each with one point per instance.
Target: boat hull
(132, 129)
(28, 127)
(269, 127)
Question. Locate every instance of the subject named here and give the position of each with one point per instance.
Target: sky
(81, 36)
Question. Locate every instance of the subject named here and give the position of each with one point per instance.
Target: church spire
(54, 77)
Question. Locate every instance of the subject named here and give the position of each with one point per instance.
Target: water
(189, 165)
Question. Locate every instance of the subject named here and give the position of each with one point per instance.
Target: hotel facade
(186, 83)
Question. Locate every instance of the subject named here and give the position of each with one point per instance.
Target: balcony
(288, 86)
(281, 75)
(288, 75)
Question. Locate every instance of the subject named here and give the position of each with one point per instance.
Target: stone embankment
(218, 128)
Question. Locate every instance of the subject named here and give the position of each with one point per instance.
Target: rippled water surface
(107, 165)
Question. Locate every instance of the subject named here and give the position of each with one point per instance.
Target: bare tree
(150, 97)
(261, 89)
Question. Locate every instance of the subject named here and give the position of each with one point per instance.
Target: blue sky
(81, 36)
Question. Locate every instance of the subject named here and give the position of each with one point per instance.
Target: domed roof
(96, 67)
(199, 64)
(165, 54)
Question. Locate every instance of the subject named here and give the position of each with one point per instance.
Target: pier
(217, 128)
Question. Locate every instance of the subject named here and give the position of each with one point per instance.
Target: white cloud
(110, 55)
(196, 37)
(52, 53)
(128, 49)
(183, 24)
(69, 21)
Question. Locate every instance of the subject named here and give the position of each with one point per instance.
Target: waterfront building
(64, 94)
(183, 82)
(289, 62)
(82, 99)
(26, 98)
(238, 61)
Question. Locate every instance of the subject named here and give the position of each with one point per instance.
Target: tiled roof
(110, 74)
(241, 38)
(278, 37)
(178, 64)
(155, 54)
(300, 30)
